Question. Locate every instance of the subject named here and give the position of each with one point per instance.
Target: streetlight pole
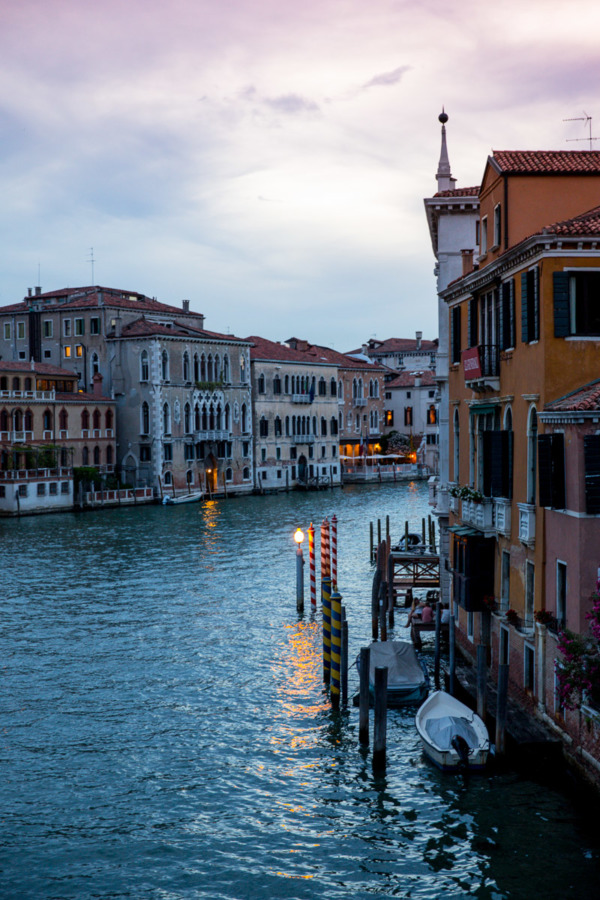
(299, 537)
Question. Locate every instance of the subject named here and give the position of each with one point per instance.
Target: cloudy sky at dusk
(268, 159)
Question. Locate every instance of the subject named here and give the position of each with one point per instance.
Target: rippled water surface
(165, 734)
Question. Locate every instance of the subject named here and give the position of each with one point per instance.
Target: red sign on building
(471, 363)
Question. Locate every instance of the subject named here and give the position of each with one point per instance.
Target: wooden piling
(371, 544)
(344, 658)
(375, 603)
(501, 700)
(380, 717)
(363, 696)
(326, 602)
(451, 656)
(423, 541)
(406, 547)
(378, 532)
(390, 587)
(387, 527)
(481, 679)
(336, 648)
(382, 602)
(438, 640)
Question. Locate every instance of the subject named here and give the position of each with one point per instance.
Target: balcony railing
(479, 515)
(302, 398)
(214, 435)
(359, 401)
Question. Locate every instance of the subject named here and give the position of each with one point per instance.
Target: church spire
(444, 176)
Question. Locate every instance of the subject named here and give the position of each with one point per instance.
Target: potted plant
(543, 616)
(512, 616)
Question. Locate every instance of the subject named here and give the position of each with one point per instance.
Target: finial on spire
(444, 175)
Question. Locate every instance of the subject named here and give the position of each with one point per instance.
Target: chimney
(97, 382)
(186, 305)
(467, 261)
(418, 379)
(30, 292)
(419, 337)
(38, 291)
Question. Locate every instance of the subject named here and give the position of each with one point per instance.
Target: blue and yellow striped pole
(326, 604)
(336, 648)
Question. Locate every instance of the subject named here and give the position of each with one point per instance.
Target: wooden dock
(415, 570)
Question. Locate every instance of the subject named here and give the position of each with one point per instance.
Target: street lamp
(299, 537)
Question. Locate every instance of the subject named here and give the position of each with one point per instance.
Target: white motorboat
(453, 736)
(183, 498)
(408, 681)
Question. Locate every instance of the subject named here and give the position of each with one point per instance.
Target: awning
(482, 408)
(463, 530)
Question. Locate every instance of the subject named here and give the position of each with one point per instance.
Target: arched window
(28, 420)
(456, 474)
(261, 383)
(186, 366)
(286, 384)
(334, 425)
(227, 422)
(196, 367)
(228, 474)
(323, 426)
(277, 384)
(85, 419)
(16, 384)
(3, 383)
(85, 456)
(144, 366)
(64, 457)
(95, 365)
(27, 384)
(287, 426)
(218, 418)
(145, 418)
(263, 427)
(333, 387)
(96, 456)
(96, 419)
(204, 418)
(4, 426)
(432, 415)
(277, 426)
(210, 368)
(246, 473)
(168, 478)
(187, 418)
(340, 390)
(244, 418)
(203, 368)
(46, 420)
(164, 364)
(217, 367)
(226, 368)
(63, 420)
(211, 418)
(108, 419)
(531, 455)
(196, 417)
(109, 455)
(322, 387)
(166, 419)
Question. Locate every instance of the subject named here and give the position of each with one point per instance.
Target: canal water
(165, 734)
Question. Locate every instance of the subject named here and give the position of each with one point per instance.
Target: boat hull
(440, 719)
(408, 681)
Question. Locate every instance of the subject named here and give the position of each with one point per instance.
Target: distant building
(400, 354)
(47, 427)
(411, 409)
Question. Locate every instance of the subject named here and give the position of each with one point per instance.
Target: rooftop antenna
(588, 121)
(92, 261)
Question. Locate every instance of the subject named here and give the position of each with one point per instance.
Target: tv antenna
(588, 121)
(92, 261)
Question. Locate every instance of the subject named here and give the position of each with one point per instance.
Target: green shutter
(591, 456)
(561, 304)
(524, 317)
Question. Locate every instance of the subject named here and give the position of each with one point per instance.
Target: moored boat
(408, 681)
(452, 735)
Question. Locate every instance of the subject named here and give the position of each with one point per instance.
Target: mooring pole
(336, 648)
(501, 708)
(334, 552)
(363, 696)
(451, 656)
(438, 639)
(380, 717)
(311, 563)
(299, 580)
(390, 587)
(375, 603)
(326, 601)
(371, 544)
(344, 658)
(378, 532)
(481, 679)
(387, 527)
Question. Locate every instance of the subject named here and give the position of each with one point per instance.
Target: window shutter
(591, 456)
(473, 323)
(561, 304)
(551, 469)
(513, 335)
(524, 304)
(535, 291)
(456, 336)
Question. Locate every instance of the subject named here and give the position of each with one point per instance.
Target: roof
(143, 327)
(586, 224)
(263, 349)
(37, 368)
(546, 162)
(583, 399)
(95, 296)
(407, 379)
(395, 345)
(459, 192)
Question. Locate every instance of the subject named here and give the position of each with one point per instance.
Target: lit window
(67, 352)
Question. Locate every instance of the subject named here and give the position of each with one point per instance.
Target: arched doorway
(302, 470)
(211, 472)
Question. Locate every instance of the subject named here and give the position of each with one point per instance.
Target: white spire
(444, 176)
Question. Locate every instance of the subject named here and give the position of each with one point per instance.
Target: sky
(268, 159)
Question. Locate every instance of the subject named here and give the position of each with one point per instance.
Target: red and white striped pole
(311, 559)
(334, 552)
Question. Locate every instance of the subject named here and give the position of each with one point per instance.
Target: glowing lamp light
(299, 536)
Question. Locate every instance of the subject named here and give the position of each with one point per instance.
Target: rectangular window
(278, 453)
(484, 236)
(246, 449)
(7, 331)
(67, 328)
(64, 487)
(168, 452)
(507, 315)
(79, 327)
(497, 225)
(473, 322)
(79, 350)
(576, 307)
(530, 306)
(47, 354)
(529, 592)
(22, 490)
(408, 415)
(470, 625)
(48, 328)
(293, 472)
(497, 463)
(145, 453)
(551, 467)
(591, 459)
(41, 489)
(333, 451)
(389, 417)
(67, 352)
(455, 337)
(95, 325)
(323, 450)
(311, 452)
(561, 594)
(279, 473)
(504, 637)
(53, 488)
(293, 453)
(22, 354)
(505, 584)
(529, 668)
(263, 454)
(21, 331)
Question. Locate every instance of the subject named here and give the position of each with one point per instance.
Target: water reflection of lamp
(299, 537)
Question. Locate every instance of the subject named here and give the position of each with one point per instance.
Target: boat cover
(403, 667)
(444, 728)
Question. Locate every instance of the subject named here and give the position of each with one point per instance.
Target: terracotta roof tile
(143, 327)
(547, 162)
(310, 354)
(586, 224)
(39, 368)
(407, 379)
(581, 400)
(459, 192)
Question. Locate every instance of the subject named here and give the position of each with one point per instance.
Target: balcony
(214, 435)
(479, 514)
(502, 516)
(304, 438)
(359, 401)
(481, 367)
(527, 523)
(301, 398)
